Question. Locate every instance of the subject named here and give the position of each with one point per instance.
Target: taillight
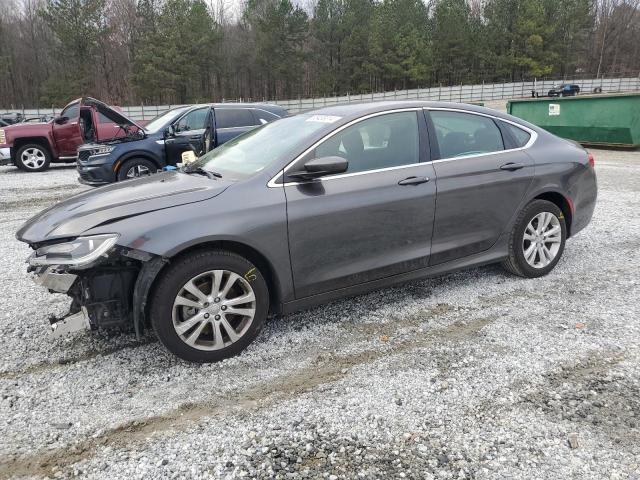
(592, 161)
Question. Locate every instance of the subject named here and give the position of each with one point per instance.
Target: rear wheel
(33, 157)
(209, 306)
(136, 167)
(537, 240)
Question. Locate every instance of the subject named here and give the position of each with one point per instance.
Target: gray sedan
(309, 209)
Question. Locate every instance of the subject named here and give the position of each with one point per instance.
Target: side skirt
(497, 253)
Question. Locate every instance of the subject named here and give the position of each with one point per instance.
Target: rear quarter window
(520, 136)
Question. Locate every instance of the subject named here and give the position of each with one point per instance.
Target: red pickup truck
(33, 146)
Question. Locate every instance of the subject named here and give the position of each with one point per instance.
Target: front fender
(251, 216)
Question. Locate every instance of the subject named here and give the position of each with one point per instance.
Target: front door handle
(413, 181)
(511, 166)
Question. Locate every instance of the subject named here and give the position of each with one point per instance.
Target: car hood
(30, 127)
(104, 205)
(115, 116)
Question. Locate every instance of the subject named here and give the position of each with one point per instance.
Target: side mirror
(320, 167)
(170, 131)
(61, 120)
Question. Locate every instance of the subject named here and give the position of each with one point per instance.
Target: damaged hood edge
(80, 213)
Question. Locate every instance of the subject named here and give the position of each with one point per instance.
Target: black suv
(161, 142)
(564, 90)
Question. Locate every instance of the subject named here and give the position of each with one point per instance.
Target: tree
(280, 31)
(175, 56)
(78, 26)
(399, 44)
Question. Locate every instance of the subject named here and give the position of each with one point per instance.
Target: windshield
(161, 120)
(253, 151)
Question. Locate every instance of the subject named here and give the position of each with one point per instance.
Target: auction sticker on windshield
(323, 118)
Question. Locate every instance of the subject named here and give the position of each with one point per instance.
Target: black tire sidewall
(533, 209)
(126, 166)
(182, 271)
(47, 158)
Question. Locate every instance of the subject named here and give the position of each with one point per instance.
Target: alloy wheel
(542, 239)
(213, 310)
(138, 171)
(33, 158)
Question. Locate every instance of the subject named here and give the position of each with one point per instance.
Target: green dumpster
(611, 120)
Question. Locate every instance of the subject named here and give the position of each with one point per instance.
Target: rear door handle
(413, 181)
(511, 166)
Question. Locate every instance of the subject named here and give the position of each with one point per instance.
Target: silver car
(309, 209)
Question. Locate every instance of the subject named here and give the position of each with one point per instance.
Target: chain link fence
(460, 93)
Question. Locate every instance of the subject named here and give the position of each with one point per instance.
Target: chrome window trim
(533, 134)
(266, 111)
(272, 183)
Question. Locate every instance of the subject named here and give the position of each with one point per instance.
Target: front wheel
(537, 240)
(33, 157)
(136, 167)
(209, 305)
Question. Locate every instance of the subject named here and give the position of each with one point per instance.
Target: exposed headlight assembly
(77, 253)
(3, 137)
(102, 150)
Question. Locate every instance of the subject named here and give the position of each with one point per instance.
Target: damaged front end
(107, 284)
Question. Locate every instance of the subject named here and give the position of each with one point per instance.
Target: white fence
(460, 93)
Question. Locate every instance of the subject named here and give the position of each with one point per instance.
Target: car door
(67, 132)
(231, 122)
(482, 177)
(371, 222)
(188, 134)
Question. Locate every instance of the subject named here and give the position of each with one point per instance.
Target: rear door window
(460, 134)
(234, 117)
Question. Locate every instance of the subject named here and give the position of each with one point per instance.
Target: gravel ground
(476, 374)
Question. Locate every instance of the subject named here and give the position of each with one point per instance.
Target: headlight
(102, 150)
(78, 253)
(3, 137)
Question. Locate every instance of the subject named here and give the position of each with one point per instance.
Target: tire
(200, 270)
(141, 165)
(33, 157)
(519, 246)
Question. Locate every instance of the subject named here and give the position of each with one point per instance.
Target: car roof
(356, 110)
(269, 107)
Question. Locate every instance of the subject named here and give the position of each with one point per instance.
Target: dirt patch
(326, 369)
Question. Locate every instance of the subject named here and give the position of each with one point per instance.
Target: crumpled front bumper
(61, 282)
(101, 297)
(49, 278)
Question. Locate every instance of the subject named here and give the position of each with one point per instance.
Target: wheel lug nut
(216, 299)
(206, 304)
(223, 307)
(206, 315)
(217, 317)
